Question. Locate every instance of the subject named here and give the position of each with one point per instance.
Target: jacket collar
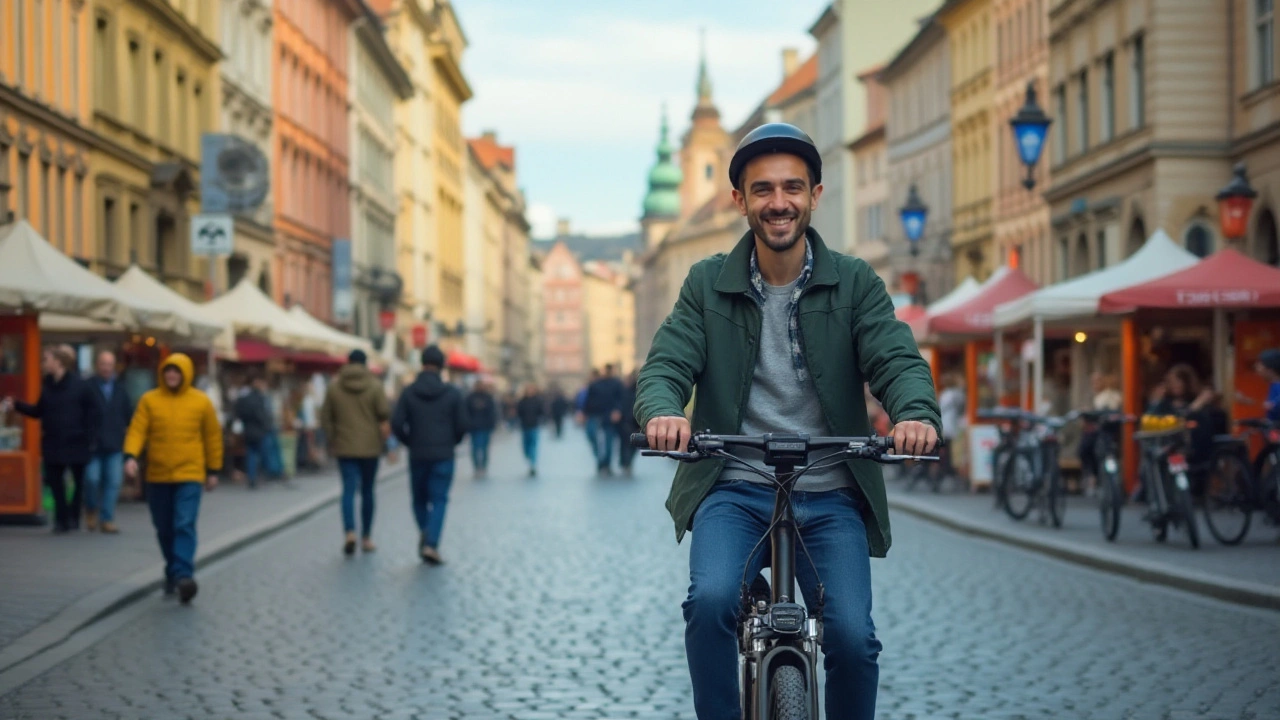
(735, 275)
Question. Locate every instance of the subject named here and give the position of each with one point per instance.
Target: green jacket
(354, 409)
(849, 335)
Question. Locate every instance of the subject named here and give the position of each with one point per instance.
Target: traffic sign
(212, 234)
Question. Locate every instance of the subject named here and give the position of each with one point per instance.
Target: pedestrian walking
(482, 408)
(559, 408)
(602, 408)
(254, 413)
(355, 417)
(105, 472)
(1268, 366)
(531, 409)
(626, 424)
(431, 420)
(177, 427)
(70, 416)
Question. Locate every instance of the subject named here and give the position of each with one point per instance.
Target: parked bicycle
(1107, 473)
(1165, 477)
(1009, 425)
(1032, 476)
(778, 638)
(1235, 487)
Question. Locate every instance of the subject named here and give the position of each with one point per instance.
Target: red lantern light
(419, 336)
(1235, 201)
(387, 319)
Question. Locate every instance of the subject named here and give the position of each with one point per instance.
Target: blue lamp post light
(1030, 126)
(914, 214)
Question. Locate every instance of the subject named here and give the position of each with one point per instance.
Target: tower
(662, 202)
(706, 146)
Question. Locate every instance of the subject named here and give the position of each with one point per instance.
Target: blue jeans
(601, 433)
(726, 526)
(480, 448)
(529, 438)
(256, 459)
(429, 482)
(103, 476)
(174, 509)
(361, 473)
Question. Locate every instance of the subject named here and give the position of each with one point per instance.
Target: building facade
(46, 116)
(449, 90)
(1255, 133)
(379, 83)
(918, 82)
(973, 126)
(1020, 216)
(311, 160)
(609, 307)
(870, 154)
(1141, 137)
(155, 77)
(829, 129)
(564, 329)
(246, 101)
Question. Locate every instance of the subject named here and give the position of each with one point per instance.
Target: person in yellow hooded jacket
(177, 427)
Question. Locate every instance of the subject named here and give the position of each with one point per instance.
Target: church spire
(706, 107)
(663, 198)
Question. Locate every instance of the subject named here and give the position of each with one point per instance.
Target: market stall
(251, 313)
(931, 352)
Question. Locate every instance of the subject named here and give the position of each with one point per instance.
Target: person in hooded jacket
(177, 427)
(430, 420)
(70, 414)
(353, 416)
(482, 408)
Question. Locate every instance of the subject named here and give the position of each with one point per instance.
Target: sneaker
(91, 520)
(431, 556)
(349, 545)
(186, 590)
(170, 588)
(533, 472)
(366, 545)
(110, 528)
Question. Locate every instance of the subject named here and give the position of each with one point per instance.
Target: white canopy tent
(204, 327)
(958, 296)
(36, 275)
(1078, 298)
(343, 343)
(250, 312)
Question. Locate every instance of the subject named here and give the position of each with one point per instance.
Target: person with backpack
(354, 416)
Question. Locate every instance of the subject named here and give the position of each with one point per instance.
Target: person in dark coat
(627, 424)
(254, 415)
(430, 420)
(105, 472)
(559, 408)
(603, 410)
(530, 410)
(482, 408)
(70, 415)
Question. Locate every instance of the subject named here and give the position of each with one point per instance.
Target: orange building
(312, 205)
(45, 115)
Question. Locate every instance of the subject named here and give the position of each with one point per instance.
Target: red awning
(456, 360)
(909, 313)
(975, 316)
(1226, 279)
(315, 358)
(257, 351)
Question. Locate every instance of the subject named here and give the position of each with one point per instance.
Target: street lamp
(1234, 203)
(914, 214)
(1029, 128)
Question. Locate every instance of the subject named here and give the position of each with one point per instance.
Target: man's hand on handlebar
(669, 434)
(912, 437)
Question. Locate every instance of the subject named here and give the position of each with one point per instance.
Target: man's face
(172, 378)
(49, 364)
(106, 365)
(777, 200)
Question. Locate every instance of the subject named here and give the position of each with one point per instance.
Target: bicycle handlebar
(703, 445)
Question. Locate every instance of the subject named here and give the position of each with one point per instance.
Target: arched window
(1137, 236)
(1266, 246)
(1198, 239)
(1080, 260)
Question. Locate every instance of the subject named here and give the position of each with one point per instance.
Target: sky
(578, 87)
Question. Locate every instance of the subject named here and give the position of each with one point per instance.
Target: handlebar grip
(639, 441)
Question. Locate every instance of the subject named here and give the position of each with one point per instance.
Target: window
(1060, 110)
(1137, 83)
(710, 171)
(46, 200)
(61, 221)
(20, 52)
(75, 62)
(1101, 249)
(102, 64)
(37, 36)
(109, 230)
(138, 79)
(77, 217)
(162, 98)
(24, 184)
(58, 86)
(1064, 258)
(183, 127)
(1082, 111)
(1199, 240)
(1108, 97)
(1264, 26)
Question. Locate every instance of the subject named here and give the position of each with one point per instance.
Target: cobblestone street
(561, 599)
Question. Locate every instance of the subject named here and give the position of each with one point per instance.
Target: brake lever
(678, 456)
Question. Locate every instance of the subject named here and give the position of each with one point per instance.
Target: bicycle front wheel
(1185, 507)
(1227, 504)
(1020, 486)
(1109, 498)
(789, 699)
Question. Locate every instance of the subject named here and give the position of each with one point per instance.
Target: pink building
(565, 347)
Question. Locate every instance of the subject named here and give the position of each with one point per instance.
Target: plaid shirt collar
(793, 312)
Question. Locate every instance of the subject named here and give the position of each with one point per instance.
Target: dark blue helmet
(775, 138)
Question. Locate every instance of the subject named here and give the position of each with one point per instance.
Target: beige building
(1020, 216)
(973, 128)
(918, 81)
(609, 309)
(535, 335)
(1141, 134)
(1255, 133)
(871, 180)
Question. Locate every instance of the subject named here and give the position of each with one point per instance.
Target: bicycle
(778, 638)
(1107, 451)
(1009, 428)
(1165, 476)
(1235, 487)
(1032, 477)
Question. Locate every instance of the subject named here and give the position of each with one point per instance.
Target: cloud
(543, 219)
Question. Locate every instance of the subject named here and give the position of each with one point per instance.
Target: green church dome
(663, 198)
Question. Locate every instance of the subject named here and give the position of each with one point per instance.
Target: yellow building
(155, 90)
(448, 91)
(45, 113)
(973, 128)
(609, 310)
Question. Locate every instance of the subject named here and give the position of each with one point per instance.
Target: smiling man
(779, 336)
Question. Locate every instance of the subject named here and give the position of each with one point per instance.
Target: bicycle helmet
(775, 138)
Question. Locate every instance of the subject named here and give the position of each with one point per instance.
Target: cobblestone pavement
(561, 599)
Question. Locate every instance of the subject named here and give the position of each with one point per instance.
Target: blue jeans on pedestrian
(358, 473)
(256, 459)
(103, 476)
(429, 482)
(600, 431)
(480, 448)
(174, 509)
(529, 438)
(732, 518)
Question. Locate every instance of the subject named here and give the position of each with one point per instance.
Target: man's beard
(764, 231)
